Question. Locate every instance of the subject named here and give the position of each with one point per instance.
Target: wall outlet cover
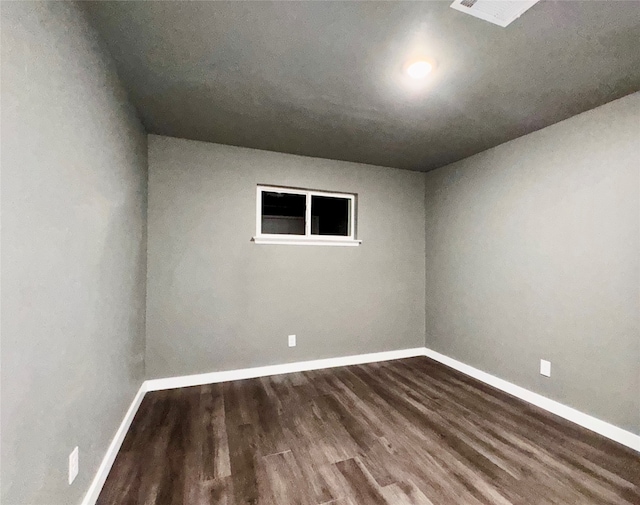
(292, 340)
(73, 465)
(545, 368)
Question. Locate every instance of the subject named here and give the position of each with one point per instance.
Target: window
(297, 216)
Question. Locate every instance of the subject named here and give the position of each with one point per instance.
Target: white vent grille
(499, 12)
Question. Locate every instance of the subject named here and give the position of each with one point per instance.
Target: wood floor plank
(286, 481)
(404, 432)
(362, 489)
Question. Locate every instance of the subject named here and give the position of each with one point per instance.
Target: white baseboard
(591, 423)
(107, 462)
(263, 371)
(585, 420)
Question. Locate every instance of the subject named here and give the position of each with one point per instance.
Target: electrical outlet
(292, 340)
(73, 465)
(545, 368)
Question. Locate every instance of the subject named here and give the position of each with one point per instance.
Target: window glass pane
(330, 216)
(283, 213)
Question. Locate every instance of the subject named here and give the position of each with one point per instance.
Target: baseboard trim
(92, 494)
(263, 371)
(603, 428)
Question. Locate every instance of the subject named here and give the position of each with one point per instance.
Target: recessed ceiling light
(419, 69)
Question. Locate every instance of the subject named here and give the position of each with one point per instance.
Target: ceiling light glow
(419, 69)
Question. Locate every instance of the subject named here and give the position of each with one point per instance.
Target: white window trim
(307, 238)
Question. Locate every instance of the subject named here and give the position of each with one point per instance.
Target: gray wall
(73, 252)
(533, 252)
(216, 301)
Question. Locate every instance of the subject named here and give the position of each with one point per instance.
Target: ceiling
(326, 79)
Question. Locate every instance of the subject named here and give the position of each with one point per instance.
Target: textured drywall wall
(217, 301)
(73, 252)
(533, 252)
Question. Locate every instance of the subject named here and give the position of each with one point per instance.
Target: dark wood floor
(401, 432)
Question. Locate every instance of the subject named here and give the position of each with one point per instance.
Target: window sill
(306, 241)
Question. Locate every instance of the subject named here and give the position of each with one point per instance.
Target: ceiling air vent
(499, 12)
